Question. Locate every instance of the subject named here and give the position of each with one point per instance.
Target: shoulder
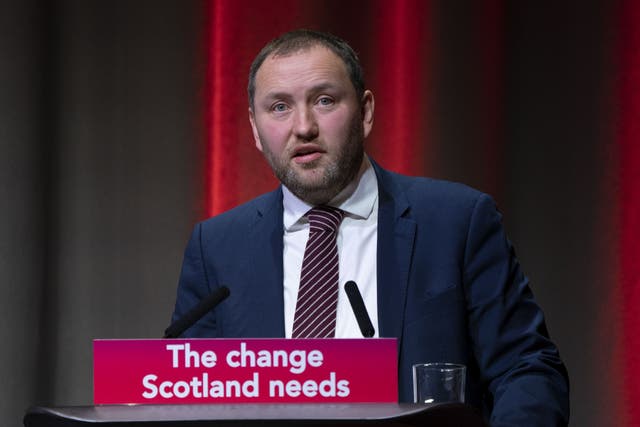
(429, 195)
(442, 190)
(246, 214)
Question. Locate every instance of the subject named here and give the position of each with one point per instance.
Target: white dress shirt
(357, 249)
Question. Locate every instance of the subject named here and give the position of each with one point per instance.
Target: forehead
(302, 69)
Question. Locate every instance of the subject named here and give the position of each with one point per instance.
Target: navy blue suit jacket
(449, 289)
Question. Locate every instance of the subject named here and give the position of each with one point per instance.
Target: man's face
(308, 122)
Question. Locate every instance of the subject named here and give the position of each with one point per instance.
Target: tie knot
(324, 218)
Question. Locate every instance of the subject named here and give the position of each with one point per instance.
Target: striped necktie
(315, 315)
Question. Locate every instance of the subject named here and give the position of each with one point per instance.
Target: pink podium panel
(191, 371)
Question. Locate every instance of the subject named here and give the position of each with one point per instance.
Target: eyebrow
(313, 89)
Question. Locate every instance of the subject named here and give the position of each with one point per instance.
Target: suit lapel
(396, 233)
(265, 242)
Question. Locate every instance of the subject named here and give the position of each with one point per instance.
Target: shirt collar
(357, 199)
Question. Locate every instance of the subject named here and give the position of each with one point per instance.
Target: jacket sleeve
(527, 381)
(194, 285)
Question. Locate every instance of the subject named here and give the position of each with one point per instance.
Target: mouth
(306, 154)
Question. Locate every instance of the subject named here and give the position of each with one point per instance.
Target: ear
(254, 129)
(368, 106)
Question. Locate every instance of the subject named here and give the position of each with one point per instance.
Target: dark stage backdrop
(123, 123)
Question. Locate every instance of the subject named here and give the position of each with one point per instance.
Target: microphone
(204, 306)
(359, 309)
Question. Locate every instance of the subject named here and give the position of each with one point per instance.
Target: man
(431, 258)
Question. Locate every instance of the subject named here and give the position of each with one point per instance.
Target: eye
(325, 101)
(279, 107)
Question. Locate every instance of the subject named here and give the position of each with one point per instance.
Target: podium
(250, 415)
(306, 383)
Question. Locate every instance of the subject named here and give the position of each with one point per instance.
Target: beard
(329, 178)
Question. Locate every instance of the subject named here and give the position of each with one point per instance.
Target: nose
(305, 125)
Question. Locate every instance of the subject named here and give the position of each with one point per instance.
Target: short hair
(302, 39)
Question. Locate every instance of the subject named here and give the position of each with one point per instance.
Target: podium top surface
(221, 414)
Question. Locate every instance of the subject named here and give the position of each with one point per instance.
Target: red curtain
(397, 43)
(235, 170)
(628, 143)
(400, 71)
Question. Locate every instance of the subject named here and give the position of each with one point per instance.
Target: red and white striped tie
(315, 315)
